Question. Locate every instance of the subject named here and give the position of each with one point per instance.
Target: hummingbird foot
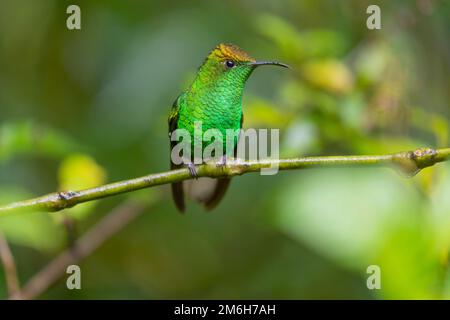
(192, 170)
(222, 161)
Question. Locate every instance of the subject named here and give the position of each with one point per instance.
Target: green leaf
(362, 217)
(17, 138)
(37, 230)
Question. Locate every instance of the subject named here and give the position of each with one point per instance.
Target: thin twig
(7, 259)
(83, 247)
(411, 162)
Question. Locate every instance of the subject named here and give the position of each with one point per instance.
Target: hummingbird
(215, 100)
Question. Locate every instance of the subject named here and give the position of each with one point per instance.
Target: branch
(83, 247)
(7, 259)
(410, 162)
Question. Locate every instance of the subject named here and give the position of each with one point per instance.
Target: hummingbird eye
(229, 63)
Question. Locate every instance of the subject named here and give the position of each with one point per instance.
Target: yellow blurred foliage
(263, 113)
(330, 74)
(79, 171)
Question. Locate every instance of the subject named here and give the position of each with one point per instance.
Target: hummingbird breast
(220, 110)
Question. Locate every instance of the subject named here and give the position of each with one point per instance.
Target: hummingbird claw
(222, 162)
(192, 170)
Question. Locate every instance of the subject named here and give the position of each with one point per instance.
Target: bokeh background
(79, 108)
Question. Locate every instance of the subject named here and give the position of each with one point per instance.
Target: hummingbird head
(230, 64)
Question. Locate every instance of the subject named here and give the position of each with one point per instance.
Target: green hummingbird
(214, 99)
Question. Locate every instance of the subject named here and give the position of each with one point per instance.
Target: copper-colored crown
(232, 52)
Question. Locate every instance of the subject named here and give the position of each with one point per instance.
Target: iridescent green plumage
(215, 100)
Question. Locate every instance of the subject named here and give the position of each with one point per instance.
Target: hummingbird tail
(178, 196)
(219, 192)
(207, 191)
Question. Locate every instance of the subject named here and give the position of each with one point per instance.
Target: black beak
(273, 63)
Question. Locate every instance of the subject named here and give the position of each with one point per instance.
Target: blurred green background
(79, 108)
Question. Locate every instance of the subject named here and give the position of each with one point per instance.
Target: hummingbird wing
(177, 187)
